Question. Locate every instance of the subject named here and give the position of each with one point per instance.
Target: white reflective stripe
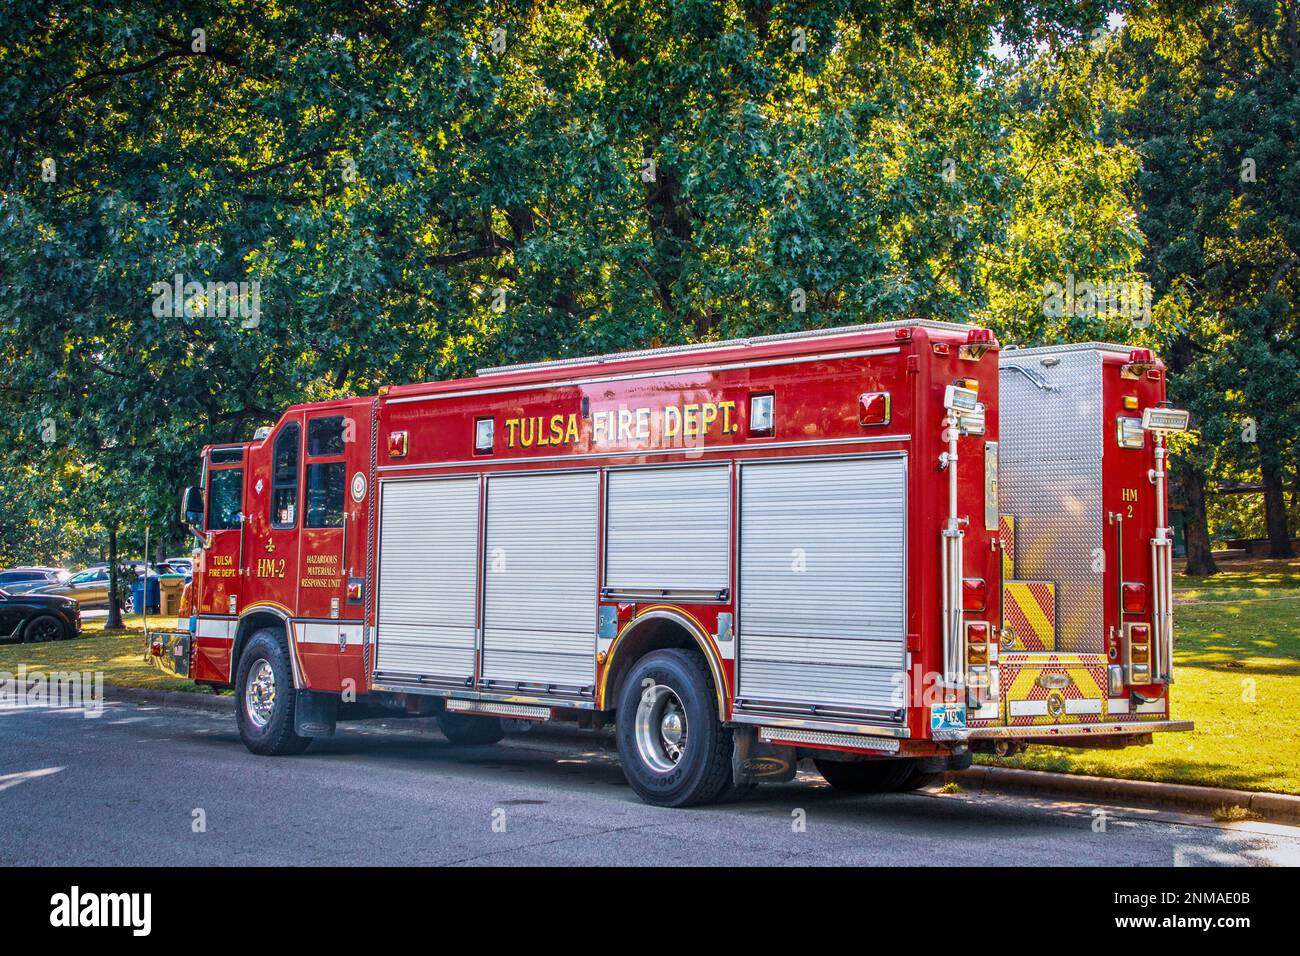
(1117, 705)
(1092, 706)
(206, 627)
(313, 632)
(669, 528)
(1151, 707)
(1027, 708)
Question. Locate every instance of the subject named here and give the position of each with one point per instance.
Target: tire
(42, 628)
(895, 775)
(673, 748)
(468, 730)
(267, 726)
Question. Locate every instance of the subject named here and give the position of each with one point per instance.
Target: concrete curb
(1272, 806)
(1276, 806)
(172, 698)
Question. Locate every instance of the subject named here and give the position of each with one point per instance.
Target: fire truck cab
(881, 547)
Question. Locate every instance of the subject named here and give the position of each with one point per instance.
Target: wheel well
(248, 626)
(655, 634)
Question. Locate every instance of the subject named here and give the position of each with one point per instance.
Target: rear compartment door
(822, 587)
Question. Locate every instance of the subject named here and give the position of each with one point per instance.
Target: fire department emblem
(358, 487)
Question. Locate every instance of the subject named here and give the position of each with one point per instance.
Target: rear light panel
(1138, 653)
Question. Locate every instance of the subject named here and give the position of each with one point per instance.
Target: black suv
(32, 618)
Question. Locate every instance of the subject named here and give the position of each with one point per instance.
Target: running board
(816, 738)
(491, 709)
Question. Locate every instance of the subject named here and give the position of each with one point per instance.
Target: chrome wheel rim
(259, 694)
(661, 728)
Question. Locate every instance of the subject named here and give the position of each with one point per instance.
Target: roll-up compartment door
(668, 529)
(822, 585)
(539, 613)
(428, 588)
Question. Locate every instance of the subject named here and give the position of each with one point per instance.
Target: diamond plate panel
(1051, 481)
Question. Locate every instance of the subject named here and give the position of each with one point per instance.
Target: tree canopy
(411, 190)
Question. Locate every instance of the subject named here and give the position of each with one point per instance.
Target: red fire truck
(881, 547)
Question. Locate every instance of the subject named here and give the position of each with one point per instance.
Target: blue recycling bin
(144, 595)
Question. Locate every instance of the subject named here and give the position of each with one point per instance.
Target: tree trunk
(1275, 517)
(1189, 479)
(114, 621)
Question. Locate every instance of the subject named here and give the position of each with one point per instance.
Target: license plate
(948, 717)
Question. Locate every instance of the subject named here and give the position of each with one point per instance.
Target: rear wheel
(266, 702)
(874, 776)
(42, 628)
(673, 748)
(468, 730)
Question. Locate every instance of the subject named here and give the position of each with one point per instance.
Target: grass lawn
(1237, 675)
(119, 654)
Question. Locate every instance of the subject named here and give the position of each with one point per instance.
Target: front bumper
(169, 651)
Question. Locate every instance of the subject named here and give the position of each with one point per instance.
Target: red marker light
(397, 444)
(1135, 597)
(974, 592)
(874, 408)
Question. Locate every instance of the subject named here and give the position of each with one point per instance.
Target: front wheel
(42, 628)
(265, 710)
(673, 748)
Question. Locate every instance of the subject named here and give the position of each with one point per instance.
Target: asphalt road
(131, 786)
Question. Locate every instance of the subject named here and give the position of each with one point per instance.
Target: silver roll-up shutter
(822, 584)
(428, 588)
(668, 529)
(539, 614)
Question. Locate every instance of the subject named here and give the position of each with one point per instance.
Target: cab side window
(225, 498)
(284, 478)
(326, 480)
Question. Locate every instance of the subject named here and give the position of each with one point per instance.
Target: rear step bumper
(1063, 732)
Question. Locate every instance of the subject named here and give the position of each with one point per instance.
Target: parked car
(25, 579)
(33, 618)
(89, 587)
(183, 566)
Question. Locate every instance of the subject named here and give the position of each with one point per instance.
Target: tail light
(974, 594)
(1135, 598)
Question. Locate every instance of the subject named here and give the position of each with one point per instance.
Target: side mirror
(192, 507)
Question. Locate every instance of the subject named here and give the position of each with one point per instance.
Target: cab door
(218, 571)
(322, 563)
(223, 526)
(271, 561)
